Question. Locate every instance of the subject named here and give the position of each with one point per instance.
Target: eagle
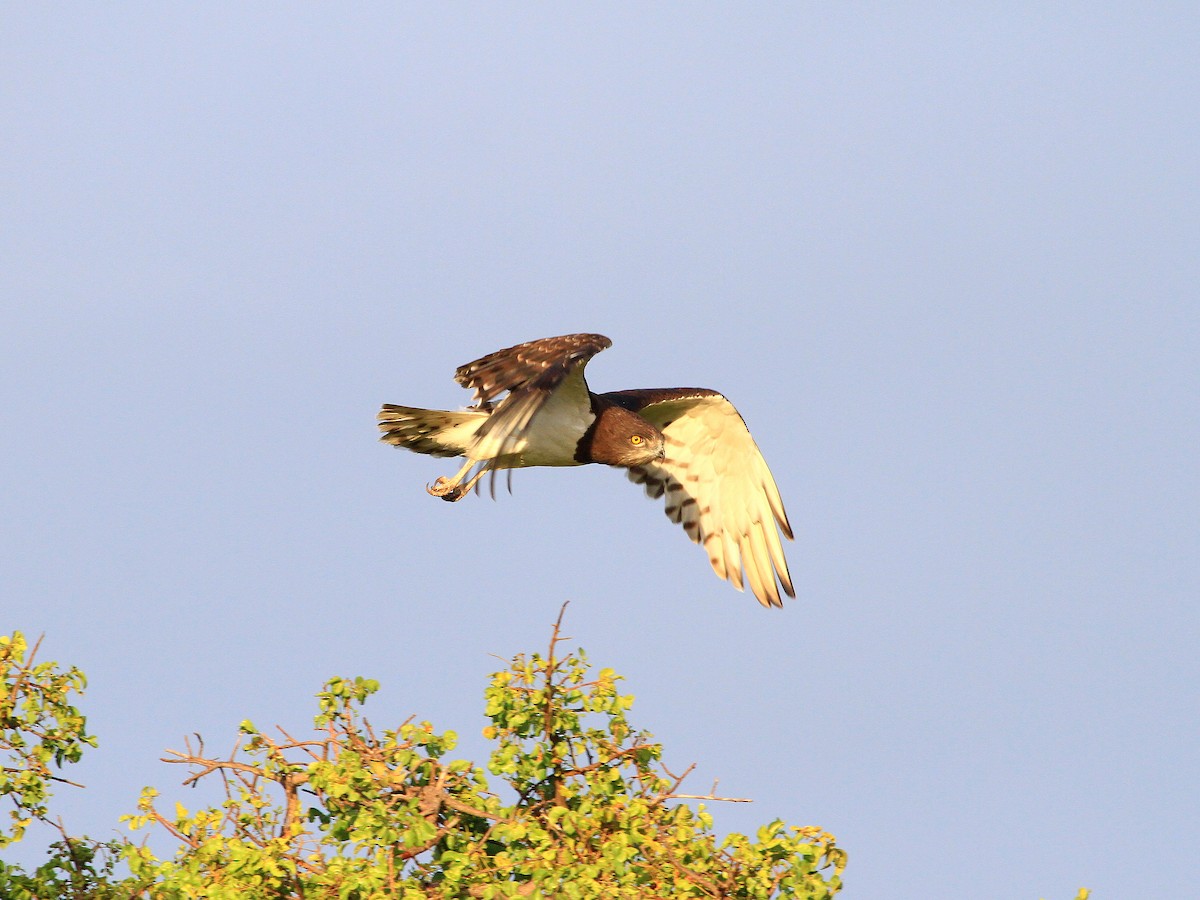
(532, 407)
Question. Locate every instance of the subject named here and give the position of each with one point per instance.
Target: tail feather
(432, 431)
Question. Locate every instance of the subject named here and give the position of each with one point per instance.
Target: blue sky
(944, 260)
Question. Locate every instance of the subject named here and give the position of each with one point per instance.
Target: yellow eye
(635, 440)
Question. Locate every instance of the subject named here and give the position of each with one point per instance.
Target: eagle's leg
(452, 488)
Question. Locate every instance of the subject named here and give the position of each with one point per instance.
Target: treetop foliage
(38, 728)
(586, 808)
(351, 811)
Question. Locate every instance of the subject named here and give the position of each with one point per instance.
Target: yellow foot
(447, 489)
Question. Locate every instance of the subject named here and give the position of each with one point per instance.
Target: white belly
(552, 438)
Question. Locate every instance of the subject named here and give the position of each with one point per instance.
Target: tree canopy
(585, 806)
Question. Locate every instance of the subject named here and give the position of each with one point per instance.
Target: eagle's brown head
(619, 437)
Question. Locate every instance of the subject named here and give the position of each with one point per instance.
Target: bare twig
(556, 635)
(712, 797)
(44, 773)
(672, 794)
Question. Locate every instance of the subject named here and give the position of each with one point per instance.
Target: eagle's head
(619, 437)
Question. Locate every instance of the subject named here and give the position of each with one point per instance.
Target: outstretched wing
(530, 373)
(717, 486)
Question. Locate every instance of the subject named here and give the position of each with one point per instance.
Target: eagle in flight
(533, 408)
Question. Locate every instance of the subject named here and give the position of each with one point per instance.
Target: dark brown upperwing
(542, 363)
(640, 400)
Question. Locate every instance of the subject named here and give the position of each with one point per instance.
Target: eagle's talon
(446, 489)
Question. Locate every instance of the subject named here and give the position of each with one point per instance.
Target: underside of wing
(716, 485)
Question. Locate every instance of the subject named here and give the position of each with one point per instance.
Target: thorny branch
(432, 798)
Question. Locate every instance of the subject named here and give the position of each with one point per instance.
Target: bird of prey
(533, 408)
